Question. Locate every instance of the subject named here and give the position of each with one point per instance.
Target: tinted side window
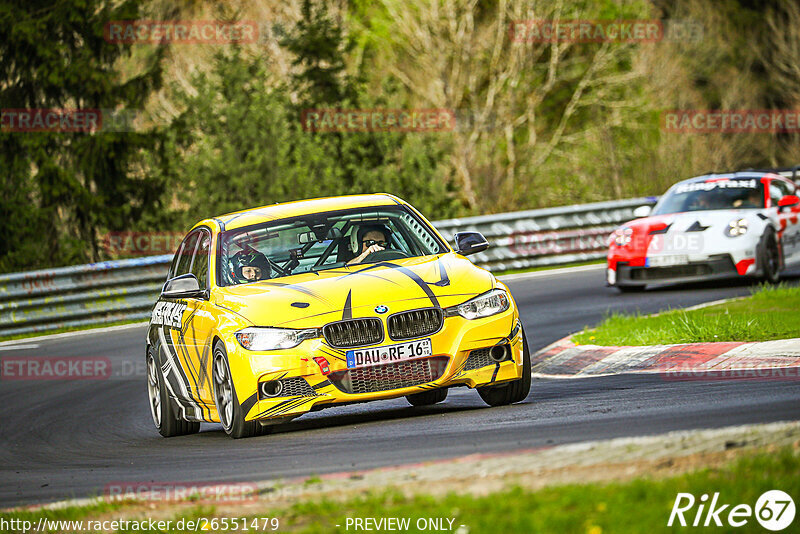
(174, 265)
(774, 193)
(200, 262)
(186, 253)
(784, 187)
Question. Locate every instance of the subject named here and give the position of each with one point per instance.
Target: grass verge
(771, 312)
(638, 505)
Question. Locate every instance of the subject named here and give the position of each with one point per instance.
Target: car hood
(690, 221)
(314, 299)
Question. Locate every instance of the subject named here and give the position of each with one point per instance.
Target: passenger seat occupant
(250, 266)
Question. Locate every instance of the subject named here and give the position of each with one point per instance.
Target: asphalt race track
(64, 439)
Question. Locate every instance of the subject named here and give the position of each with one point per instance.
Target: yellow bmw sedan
(276, 311)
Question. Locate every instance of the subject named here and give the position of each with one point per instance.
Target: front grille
(477, 359)
(674, 271)
(390, 376)
(415, 323)
(297, 387)
(353, 333)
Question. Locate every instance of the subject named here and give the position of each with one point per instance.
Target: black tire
(226, 400)
(770, 258)
(426, 398)
(631, 289)
(511, 392)
(162, 409)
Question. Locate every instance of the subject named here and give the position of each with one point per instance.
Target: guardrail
(110, 291)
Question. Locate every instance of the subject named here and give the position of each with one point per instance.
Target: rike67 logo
(774, 510)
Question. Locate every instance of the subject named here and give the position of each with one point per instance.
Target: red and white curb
(776, 360)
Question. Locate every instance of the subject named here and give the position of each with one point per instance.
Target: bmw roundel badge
(381, 309)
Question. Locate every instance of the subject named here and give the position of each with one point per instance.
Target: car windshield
(320, 241)
(712, 195)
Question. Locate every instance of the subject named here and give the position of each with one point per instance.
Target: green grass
(639, 505)
(313, 479)
(771, 312)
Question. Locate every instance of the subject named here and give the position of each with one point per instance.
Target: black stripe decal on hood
(406, 271)
(347, 311)
(444, 280)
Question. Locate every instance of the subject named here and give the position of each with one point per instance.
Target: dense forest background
(217, 127)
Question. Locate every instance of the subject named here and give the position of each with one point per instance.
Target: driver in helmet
(250, 266)
(370, 238)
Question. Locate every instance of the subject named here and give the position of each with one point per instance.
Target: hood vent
(696, 227)
(661, 231)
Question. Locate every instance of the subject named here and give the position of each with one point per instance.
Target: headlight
(621, 236)
(255, 338)
(736, 228)
(490, 303)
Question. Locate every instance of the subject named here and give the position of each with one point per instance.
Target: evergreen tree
(318, 46)
(60, 189)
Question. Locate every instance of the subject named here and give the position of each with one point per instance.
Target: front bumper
(460, 358)
(715, 267)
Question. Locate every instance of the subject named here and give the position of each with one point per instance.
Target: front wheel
(511, 392)
(230, 411)
(770, 258)
(165, 417)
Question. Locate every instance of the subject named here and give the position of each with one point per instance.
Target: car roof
(728, 176)
(240, 219)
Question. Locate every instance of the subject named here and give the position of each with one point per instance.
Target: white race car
(712, 226)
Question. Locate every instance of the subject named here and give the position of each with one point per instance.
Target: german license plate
(667, 261)
(388, 353)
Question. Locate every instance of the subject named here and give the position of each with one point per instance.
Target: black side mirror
(470, 242)
(183, 286)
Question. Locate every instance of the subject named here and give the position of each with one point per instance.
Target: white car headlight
(736, 228)
(490, 303)
(621, 236)
(256, 338)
